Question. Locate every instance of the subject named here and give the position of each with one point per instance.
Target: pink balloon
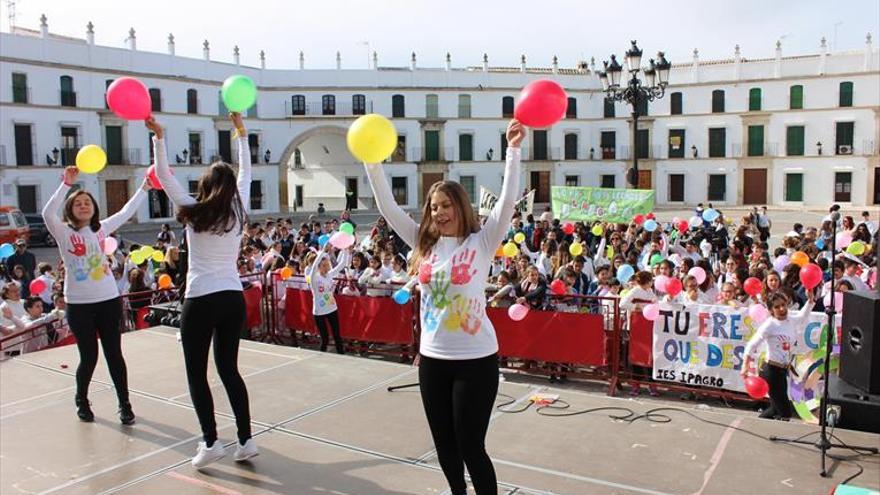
(781, 262)
(37, 286)
(651, 311)
(342, 240)
(129, 99)
(838, 300)
(541, 103)
(758, 313)
(844, 239)
(110, 245)
(698, 273)
(517, 312)
(154, 181)
(811, 275)
(660, 282)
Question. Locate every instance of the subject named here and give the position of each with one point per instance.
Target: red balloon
(811, 276)
(541, 103)
(752, 286)
(683, 226)
(756, 387)
(557, 287)
(649, 216)
(151, 177)
(568, 228)
(129, 99)
(673, 287)
(639, 219)
(37, 286)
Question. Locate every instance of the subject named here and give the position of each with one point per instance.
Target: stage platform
(325, 424)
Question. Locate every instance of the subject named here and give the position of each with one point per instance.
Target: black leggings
(458, 397)
(777, 379)
(87, 322)
(332, 319)
(219, 316)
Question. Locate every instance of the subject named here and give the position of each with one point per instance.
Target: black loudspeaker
(858, 410)
(860, 346)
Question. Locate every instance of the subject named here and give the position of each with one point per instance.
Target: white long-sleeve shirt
(87, 275)
(211, 256)
(779, 335)
(323, 302)
(453, 301)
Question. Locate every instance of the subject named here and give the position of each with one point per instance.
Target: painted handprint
(471, 321)
(425, 270)
(439, 287)
(453, 316)
(79, 245)
(430, 314)
(461, 267)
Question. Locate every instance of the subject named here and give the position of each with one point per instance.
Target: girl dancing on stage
(93, 305)
(458, 374)
(214, 305)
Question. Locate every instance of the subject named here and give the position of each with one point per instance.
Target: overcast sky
(570, 29)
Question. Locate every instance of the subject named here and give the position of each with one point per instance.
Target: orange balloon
(800, 259)
(499, 252)
(164, 281)
(286, 273)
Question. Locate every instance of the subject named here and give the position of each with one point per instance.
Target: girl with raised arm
(214, 306)
(94, 307)
(458, 372)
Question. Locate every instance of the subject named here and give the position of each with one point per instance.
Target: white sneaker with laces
(206, 456)
(246, 451)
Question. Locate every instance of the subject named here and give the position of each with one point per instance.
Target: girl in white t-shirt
(321, 280)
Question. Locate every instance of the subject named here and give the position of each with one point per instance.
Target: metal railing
(317, 108)
(429, 155)
(125, 156)
(67, 98)
(21, 94)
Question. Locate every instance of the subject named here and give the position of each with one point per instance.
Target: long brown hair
(218, 208)
(94, 222)
(428, 233)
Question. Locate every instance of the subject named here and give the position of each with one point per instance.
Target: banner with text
(488, 200)
(598, 203)
(703, 345)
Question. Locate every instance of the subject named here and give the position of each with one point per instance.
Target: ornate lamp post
(634, 91)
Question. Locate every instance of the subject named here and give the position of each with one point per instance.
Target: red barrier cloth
(576, 338)
(252, 297)
(370, 319)
(140, 318)
(641, 340)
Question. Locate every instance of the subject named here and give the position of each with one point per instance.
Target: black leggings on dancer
(87, 322)
(458, 396)
(219, 316)
(777, 379)
(332, 319)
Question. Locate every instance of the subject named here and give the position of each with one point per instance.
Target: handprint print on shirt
(79, 245)
(95, 263)
(461, 267)
(453, 316)
(471, 321)
(439, 287)
(430, 314)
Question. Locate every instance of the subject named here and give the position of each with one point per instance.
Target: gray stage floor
(325, 424)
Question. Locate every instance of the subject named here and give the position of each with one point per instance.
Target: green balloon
(347, 228)
(239, 93)
(656, 259)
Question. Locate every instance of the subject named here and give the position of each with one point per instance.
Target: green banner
(597, 203)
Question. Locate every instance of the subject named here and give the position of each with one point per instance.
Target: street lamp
(634, 91)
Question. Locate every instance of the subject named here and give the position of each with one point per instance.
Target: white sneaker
(206, 456)
(246, 451)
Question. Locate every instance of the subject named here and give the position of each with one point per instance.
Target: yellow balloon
(510, 250)
(91, 159)
(147, 251)
(609, 252)
(519, 237)
(857, 248)
(158, 257)
(576, 249)
(137, 258)
(371, 138)
(597, 230)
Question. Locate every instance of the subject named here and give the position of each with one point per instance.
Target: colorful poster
(597, 203)
(488, 200)
(703, 345)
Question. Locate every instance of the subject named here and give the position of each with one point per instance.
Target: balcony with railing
(430, 155)
(67, 98)
(320, 109)
(124, 156)
(743, 150)
(21, 94)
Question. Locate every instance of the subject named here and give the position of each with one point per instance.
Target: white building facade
(799, 131)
